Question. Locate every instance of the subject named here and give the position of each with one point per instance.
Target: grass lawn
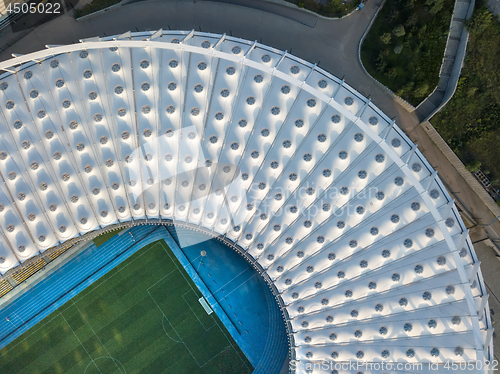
(141, 317)
(101, 239)
(470, 122)
(405, 46)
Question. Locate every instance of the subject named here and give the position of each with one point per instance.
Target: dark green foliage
(386, 38)
(434, 6)
(470, 122)
(391, 73)
(423, 37)
(399, 31)
(473, 166)
(393, 16)
(412, 20)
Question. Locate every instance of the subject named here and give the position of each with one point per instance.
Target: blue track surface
(245, 299)
(242, 299)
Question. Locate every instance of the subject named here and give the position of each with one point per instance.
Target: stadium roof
(365, 248)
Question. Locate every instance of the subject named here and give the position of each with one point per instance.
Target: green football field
(142, 317)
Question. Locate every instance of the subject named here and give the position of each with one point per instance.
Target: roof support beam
(280, 60)
(482, 306)
(219, 42)
(475, 269)
(127, 35)
(487, 340)
(338, 89)
(188, 36)
(362, 110)
(250, 49)
(462, 239)
(308, 75)
(157, 35)
(388, 129)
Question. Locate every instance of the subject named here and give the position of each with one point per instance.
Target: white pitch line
(76, 336)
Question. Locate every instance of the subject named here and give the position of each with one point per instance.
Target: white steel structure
(348, 222)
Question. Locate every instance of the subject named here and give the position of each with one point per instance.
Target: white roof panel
(320, 188)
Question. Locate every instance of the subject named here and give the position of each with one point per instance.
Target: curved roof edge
(478, 307)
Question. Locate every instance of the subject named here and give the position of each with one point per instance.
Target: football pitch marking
(112, 358)
(173, 328)
(166, 333)
(76, 336)
(189, 305)
(93, 361)
(162, 244)
(34, 332)
(205, 305)
(100, 342)
(109, 276)
(230, 344)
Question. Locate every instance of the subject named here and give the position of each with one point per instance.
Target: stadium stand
(4, 287)
(26, 271)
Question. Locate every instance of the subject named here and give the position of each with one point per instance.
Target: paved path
(333, 42)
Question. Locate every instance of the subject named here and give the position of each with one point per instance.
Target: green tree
(406, 90)
(434, 6)
(473, 166)
(408, 5)
(399, 31)
(380, 64)
(393, 16)
(386, 38)
(480, 21)
(471, 92)
(384, 53)
(412, 20)
(391, 73)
